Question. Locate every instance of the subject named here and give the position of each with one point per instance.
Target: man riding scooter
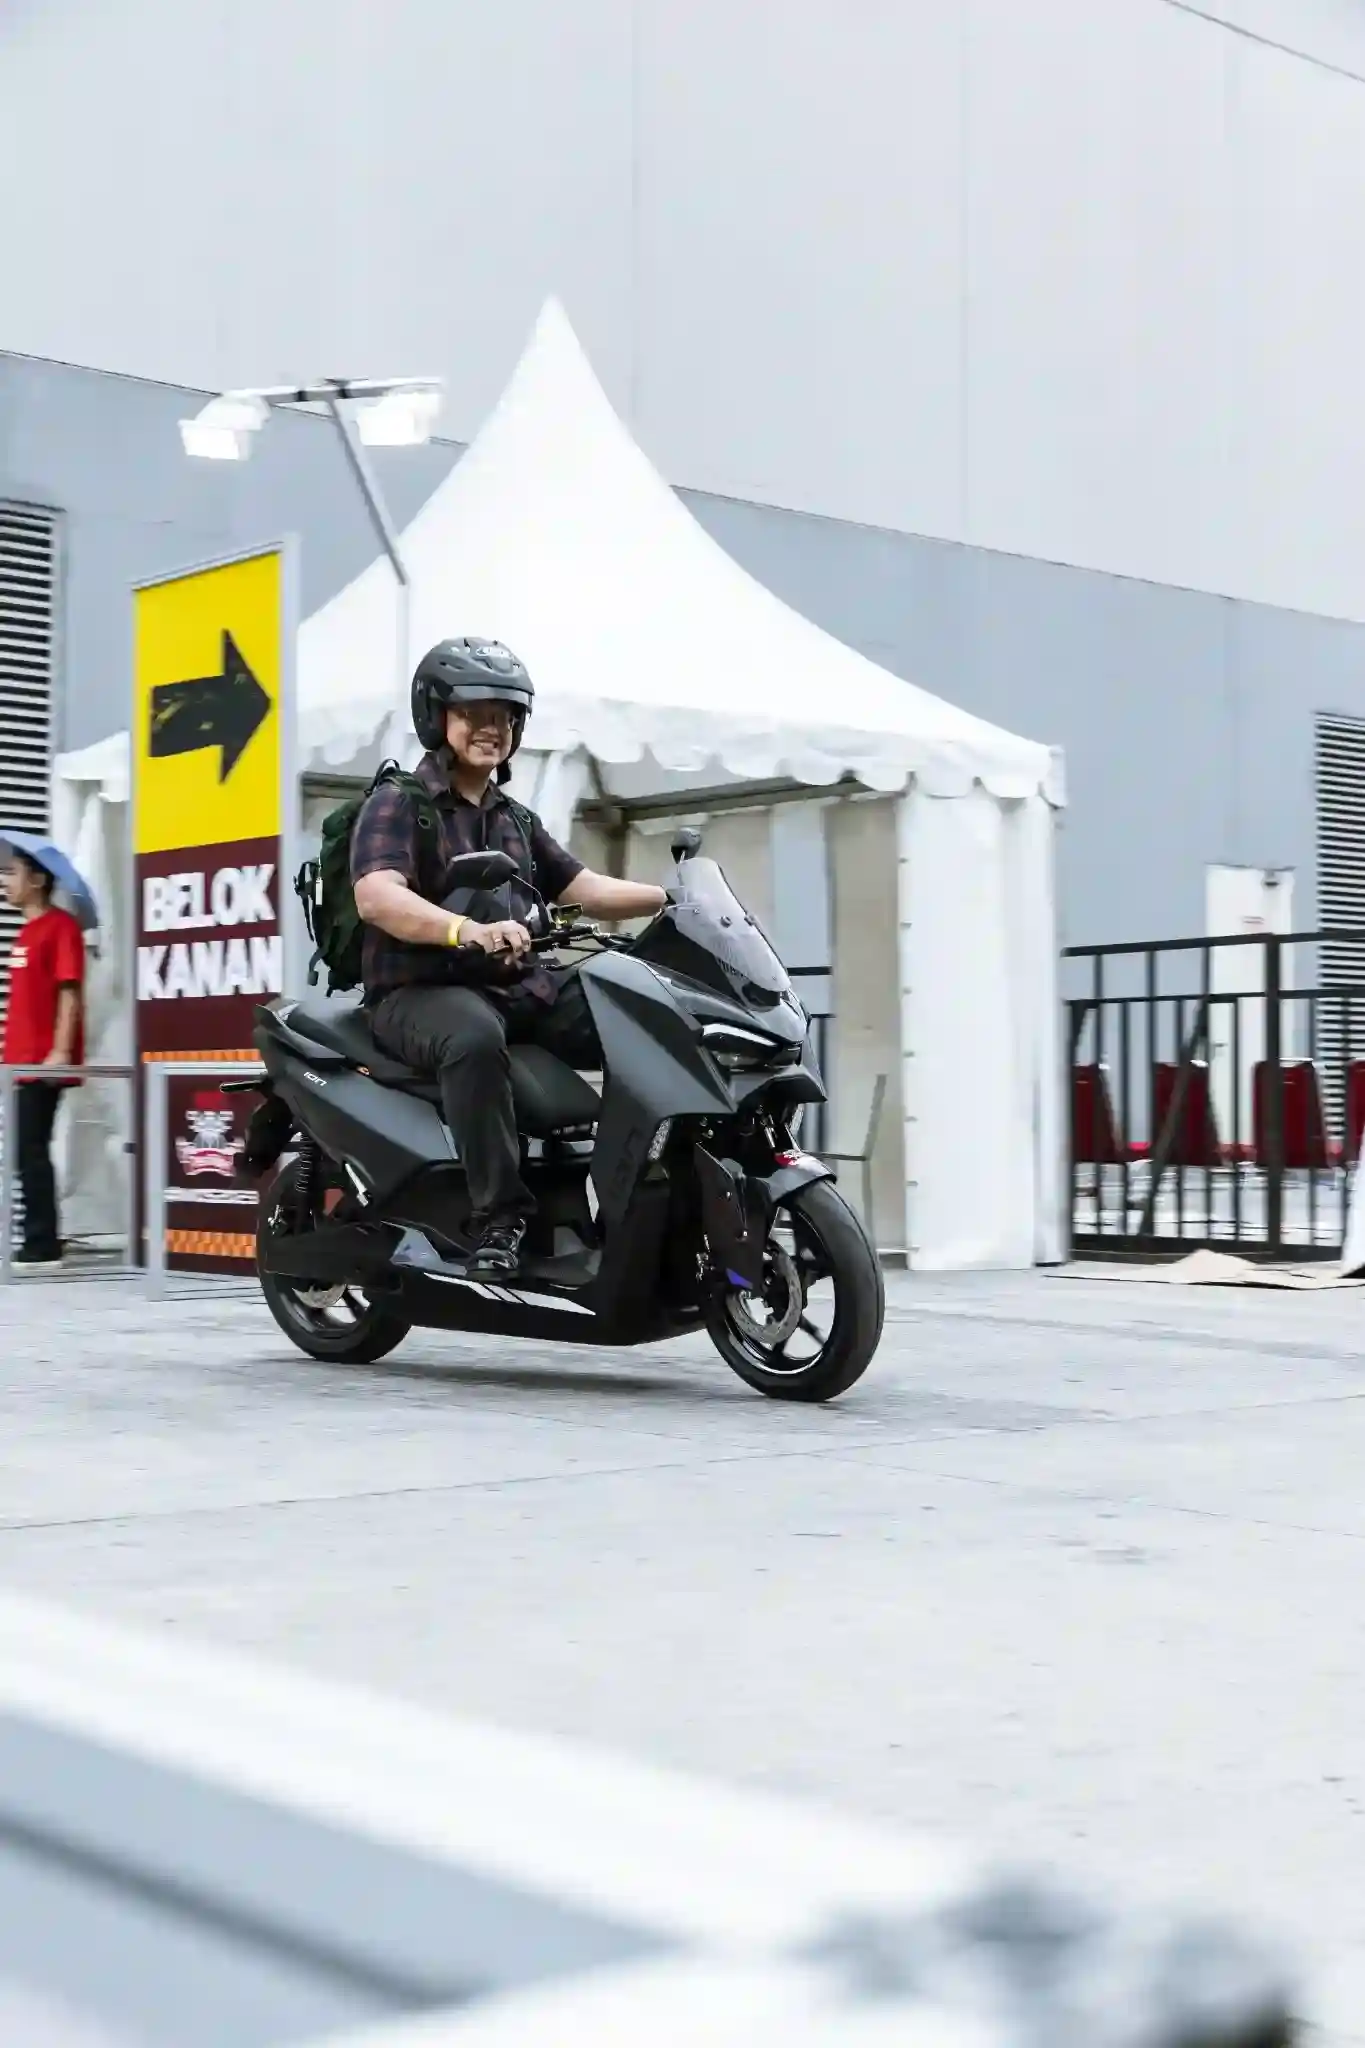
(448, 992)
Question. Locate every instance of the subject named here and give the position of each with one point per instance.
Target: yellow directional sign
(208, 663)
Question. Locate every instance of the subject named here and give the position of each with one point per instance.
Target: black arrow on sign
(225, 711)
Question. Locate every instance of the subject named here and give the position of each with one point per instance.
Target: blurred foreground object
(198, 1851)
(1021, 1964)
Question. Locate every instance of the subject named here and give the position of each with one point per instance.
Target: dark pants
(35, 1112)
(461, 1035)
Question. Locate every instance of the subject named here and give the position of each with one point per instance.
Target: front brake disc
(776, 1330)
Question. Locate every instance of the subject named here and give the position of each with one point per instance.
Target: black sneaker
(497, 1249)
(39, 1259)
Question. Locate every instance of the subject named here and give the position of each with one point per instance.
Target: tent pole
(612, 817)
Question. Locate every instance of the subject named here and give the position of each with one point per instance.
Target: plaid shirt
(386, 838)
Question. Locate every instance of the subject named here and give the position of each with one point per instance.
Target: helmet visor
(485, 690)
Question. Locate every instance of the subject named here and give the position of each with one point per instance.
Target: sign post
(214, 834)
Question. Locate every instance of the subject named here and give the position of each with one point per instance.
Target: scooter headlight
(738, 1050)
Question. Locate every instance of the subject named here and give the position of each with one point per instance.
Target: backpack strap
(419, 796)
(526, 819)
(422, 810)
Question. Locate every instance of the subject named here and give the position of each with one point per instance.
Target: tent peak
(556, 534)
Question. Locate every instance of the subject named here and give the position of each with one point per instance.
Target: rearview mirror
(480, 870)
(686, 843)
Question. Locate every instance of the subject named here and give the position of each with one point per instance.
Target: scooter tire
(376, 1331)
(859, 1311)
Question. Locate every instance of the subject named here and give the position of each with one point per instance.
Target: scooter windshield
(708, 913)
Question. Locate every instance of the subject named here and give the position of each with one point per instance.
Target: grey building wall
(1122, 326)
(1187, 719)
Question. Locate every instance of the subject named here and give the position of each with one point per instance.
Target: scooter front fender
(738, 1207)
(800, 1170)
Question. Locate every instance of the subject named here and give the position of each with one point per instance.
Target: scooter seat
(547, 1095)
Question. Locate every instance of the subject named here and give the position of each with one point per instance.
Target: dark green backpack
(324, 888)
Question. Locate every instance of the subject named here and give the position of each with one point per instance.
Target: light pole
(368, 412)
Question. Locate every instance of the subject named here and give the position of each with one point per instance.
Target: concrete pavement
(1077, 1569)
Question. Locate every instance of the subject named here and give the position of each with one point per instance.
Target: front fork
(738, 1207)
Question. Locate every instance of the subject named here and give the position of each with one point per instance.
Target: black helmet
(468, 672)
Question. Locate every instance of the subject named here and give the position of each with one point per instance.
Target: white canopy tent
(661, 668)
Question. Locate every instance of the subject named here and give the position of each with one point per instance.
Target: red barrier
(1094, 1135)
(1305, 1131)
(1195, 1142)
(1355, 1109)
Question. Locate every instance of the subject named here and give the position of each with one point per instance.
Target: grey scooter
(677, 1199)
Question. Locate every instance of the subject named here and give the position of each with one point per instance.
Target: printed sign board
(214, 803)
(210, 1213)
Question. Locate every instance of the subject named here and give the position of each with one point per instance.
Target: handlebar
(575, 933)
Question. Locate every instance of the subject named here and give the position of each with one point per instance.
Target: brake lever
(572, 933)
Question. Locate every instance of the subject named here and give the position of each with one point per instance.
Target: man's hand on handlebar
(506, 936)
(511, 939)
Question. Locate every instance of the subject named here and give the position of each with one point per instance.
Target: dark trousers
(461, 1035)
(35, 1112)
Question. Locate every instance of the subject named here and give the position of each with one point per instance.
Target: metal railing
(1217, 1093)
(155, 1152)
(14, 1076)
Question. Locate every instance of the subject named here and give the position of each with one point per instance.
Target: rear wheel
(815, 1326)
(326, 1320)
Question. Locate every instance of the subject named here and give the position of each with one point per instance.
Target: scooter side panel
(385, 1135)
(656, 1068)
(435, 1304)
(627, 1285)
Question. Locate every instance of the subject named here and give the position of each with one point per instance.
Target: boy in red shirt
(44, 1026)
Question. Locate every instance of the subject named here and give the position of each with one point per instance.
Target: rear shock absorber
(304, 1182)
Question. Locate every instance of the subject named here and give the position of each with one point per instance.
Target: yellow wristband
(457, 925)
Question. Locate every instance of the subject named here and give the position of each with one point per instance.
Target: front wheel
(341, 1324)
(815, 1326)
